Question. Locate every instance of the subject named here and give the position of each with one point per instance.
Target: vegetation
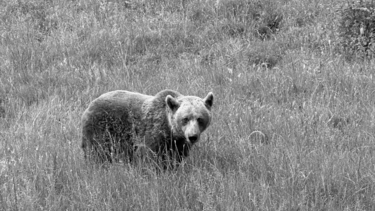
(357, 29)
(293, 125)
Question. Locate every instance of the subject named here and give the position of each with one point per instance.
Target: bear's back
(122, 95)
(117, 103)
(119, 99)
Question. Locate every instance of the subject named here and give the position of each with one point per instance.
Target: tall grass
(293, 121)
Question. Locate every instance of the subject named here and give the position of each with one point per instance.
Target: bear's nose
(193, 139)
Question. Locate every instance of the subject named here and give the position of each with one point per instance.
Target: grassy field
(293, 121)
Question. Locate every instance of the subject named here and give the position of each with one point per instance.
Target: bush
(264, 16)
(357, 30)
(266, 54)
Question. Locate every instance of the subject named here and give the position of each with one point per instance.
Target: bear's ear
(209, 100)
(172, 103)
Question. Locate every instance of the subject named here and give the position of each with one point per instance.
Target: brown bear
(167, 124)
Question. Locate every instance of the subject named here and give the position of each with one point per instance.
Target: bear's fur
(167, 124)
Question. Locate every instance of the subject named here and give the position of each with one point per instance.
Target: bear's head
(189, 116)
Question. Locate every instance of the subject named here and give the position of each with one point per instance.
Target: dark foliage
(357, 30)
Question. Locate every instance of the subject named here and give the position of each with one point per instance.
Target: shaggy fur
(116, 123)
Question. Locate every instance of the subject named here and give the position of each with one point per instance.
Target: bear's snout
(193, 138)
(192, 131)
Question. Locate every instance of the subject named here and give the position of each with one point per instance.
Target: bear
(119, 123)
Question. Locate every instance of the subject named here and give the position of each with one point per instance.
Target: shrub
(270, 24)
(357, 29)
(266, 54)
(263, 15)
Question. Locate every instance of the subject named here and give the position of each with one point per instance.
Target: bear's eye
(200, 120)
(185, 120)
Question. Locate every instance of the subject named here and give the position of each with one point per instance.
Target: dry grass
(272, 66)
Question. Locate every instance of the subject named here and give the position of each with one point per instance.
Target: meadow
(293, 119)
